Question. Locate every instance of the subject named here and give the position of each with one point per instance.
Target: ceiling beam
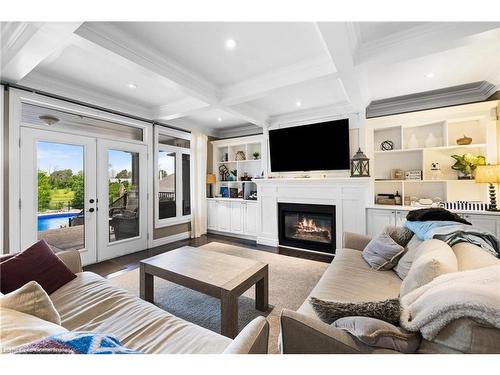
(180, 108)
(418, 41)
(108, 36)
(28, 44)
(337, 38)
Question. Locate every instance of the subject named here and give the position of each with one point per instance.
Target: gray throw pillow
(400, 235)
(330, 311)
(380, 334)
(382, 252)
(405, 262)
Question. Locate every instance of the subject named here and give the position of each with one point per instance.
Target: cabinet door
(236, 217)
(212, 214)
(379, 219)
(485, 222)
(401, 218)
(251, 210)
(224, 216)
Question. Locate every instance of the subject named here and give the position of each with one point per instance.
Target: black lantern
(360, 165)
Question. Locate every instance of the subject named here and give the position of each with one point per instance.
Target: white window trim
(179, 151)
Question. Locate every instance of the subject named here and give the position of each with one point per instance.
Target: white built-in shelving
(252, 166)
(425, 137)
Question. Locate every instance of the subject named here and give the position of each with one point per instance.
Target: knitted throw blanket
(470, 294)
(75, 343)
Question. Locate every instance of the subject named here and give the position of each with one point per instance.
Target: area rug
(290, 282)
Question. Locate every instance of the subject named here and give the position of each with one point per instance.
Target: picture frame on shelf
(224, 192)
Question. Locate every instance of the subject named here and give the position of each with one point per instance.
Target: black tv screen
(317, 147)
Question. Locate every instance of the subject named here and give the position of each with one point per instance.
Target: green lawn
(59, 198)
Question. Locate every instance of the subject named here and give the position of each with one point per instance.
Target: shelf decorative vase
(240, 155)
(413, 141)
(464, 175)
(431, 140)
(464, 141)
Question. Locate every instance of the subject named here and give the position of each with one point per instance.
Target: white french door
(121, 216)
(83, 193)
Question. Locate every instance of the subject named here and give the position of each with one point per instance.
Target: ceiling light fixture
(132, 86)
(298, 103)
(219, 119)
(230, 44)
(430, 75)
(49, 120)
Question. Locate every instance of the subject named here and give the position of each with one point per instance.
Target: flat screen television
(322, 146)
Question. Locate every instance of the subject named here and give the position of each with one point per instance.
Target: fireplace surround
(307, 226)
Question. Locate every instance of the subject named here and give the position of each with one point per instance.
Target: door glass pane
(186, 185)
(123, 193)
(61, 195)
(166, 185)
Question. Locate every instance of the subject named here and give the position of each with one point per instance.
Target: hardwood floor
(112, 267)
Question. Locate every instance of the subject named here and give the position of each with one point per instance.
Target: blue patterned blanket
(75, 343)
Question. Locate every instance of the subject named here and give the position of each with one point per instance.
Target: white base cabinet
(379, 218)
(231, 216)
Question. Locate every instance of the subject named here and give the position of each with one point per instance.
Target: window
(172, 177)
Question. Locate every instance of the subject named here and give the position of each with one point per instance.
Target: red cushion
(3, 258)
(38, 263)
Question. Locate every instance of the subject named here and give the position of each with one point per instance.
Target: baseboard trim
(267, 241)
(236, 235)
(170, 239)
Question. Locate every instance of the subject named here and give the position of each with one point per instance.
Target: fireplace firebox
(307, 226)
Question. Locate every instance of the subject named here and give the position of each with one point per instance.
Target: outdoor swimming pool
(54, 221)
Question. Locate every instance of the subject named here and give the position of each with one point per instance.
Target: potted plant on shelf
(466, 164)
(256, 156)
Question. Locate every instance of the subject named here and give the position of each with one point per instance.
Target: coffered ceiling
(219, 77)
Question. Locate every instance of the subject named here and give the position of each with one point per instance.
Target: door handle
(91, 201)
(91, 209)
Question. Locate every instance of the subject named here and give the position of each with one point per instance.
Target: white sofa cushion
(17, 328)
(90, 303)
(33, 300)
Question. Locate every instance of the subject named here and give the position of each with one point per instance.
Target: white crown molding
(312, 115)
(259, 86)
(110, 37)
(418, 41)
(449, 96)
(185, 123)
(238, 131)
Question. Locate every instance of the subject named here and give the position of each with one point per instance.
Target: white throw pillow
(33, 300)
(382, 252)
(18, 328)
(433, 258)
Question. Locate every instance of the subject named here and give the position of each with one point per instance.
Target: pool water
(55, 221)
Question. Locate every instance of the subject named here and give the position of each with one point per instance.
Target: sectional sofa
(349, 278)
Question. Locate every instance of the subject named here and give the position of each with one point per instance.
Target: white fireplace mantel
(349, 195)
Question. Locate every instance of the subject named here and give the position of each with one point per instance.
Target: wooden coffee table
(218, 275)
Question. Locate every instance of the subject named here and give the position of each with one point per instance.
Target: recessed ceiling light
(132, 86)
(219, 119)
(298, 103)
(230, 44)
(430, 75)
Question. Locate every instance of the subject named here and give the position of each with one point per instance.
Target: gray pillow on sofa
(380, 334)
(400, 235)
(405, 262)
(330, 311)
(382, 252)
